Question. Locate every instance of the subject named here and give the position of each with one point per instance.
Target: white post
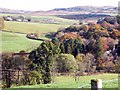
(96, 84)
(99, 84)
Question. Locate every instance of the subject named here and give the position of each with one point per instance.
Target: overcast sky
(51, 4)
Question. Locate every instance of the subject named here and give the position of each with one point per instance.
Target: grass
(53, 19)
(12, 42)
(31, 27)
(69, 82)
(46, 19)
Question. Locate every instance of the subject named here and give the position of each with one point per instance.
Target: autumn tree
(99, 48)
(1, 23)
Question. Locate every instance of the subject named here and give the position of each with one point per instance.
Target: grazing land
(12, 42)
(26, 27)
(109, 81)
(53, 20)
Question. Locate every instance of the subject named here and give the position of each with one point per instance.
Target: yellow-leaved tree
(1, 23)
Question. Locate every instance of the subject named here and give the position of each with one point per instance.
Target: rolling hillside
(63, 11)
(14, 41)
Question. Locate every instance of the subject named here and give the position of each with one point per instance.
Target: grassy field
(12, 42)
(32, 27)
(69, 82)
(46, 19)
(53, 19)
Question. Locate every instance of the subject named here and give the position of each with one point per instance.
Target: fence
(9, 76)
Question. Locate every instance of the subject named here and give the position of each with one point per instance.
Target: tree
(42, 59)
(1, 23)
(85, 62)
(78, 47)
(118, 48)
(62, 48)
(66, 63)
(73, 46)
(91, 46)
(118, 19)
(99, 48)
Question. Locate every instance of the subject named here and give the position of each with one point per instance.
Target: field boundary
(12, 32)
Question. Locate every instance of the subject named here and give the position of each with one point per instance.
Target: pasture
(27, 27)
(109, 81)
(12, 42)
(53, 19)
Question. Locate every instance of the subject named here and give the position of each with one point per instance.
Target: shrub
(85, 62)
(66, 63)
(33, 77)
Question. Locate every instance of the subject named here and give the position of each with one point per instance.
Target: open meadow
(12, 42)
(28, 27)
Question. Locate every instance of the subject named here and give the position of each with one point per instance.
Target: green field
(12, 42)
(54, 19)
(108, 81)
(47, 19)
(27, 27)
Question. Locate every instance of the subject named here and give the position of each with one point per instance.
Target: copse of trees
(89, 44)
(111, 20)
(64, 54)
(43, 56)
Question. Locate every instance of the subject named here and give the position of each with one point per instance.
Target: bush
(66, 63)
(33, 77)
(85, 62)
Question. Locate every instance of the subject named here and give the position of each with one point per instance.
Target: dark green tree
(118, 19)
(42, 59)
(118, 48)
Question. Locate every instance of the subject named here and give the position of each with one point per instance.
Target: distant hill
(79, 10)
(67, 11)
(86, 8)
(11, 11)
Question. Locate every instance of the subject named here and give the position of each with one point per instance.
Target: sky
(35, 5)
